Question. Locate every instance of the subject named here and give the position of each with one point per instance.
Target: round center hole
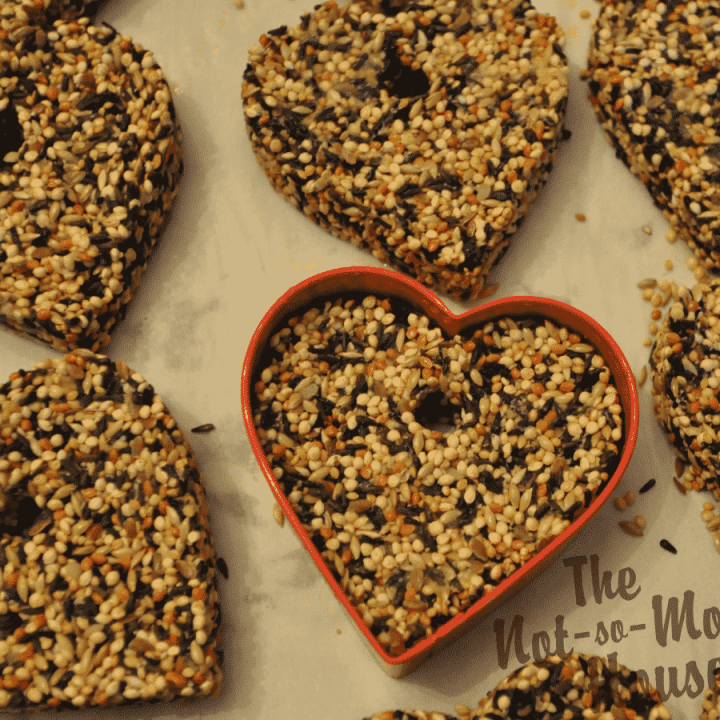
(392, 7)
(435, 413)
(401, 80)
(18, 515)
(11, 133)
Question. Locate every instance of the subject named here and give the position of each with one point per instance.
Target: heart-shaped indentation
(106, 553)
(574, 685)
(90, 160)
(422, 136)
(653, 86)
(432, 463)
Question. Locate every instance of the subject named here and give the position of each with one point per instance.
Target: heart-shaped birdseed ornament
(422, 133)
(574, 685)
(685, 376)
(44, 12)
(90, 160)
(427, 459)
(108, 592)
(652, 79)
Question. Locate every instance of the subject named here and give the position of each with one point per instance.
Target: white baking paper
(233, 246)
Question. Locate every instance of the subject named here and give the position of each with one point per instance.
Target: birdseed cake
(46, 12)
(576, 685)
(426, 469)
(411, 715)
(653, 81)
(685, 376)
(711, 701)
(573, 686)
(108, 592)
(91, 158)
(422, 134)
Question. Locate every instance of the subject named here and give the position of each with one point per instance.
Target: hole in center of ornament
(11, 133)
(19, 515)
(391, 8)
(400, 79)
(436, 413)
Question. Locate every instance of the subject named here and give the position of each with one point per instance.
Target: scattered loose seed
(667, 545)
(647, 229)
(641, 521)
(679, 486)
(206, 428)
(631, 528)
(620, 503)
(278, 514)
(668, 264)
(649, 485)
(629, 497)
(580, 217)
(642, 376)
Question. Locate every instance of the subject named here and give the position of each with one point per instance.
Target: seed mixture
(652, 80)
(575, 686)
(413, 715)
(685, 375)
(90, 159)
(425, 468)
(422, 133)
(711, 700)
(108, 570)
(712, 522)
(45, 12)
